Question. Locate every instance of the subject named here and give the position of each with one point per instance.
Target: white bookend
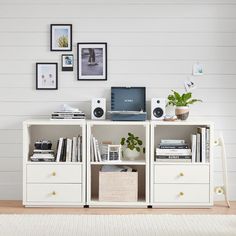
(74, 149)
(68, 150)
(59, 149)
(98, 151)
(95, 150)
(198, 158)
(194, 147)
(207, 144)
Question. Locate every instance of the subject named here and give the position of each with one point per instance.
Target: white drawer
(181, 174)
(181, 193)
(54, 173)
(54, 192)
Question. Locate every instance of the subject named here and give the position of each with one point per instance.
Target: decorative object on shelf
(46, 76)
(92, 61)
(61, 37)
(67, 62)
(181, 102)
(42, 151)
(133, 145)
(170, 118)
(158, 108)
(114, 152)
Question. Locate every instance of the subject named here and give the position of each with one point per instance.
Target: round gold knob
(181, 174)
(54, 193)
(54, 173)
(181, 194)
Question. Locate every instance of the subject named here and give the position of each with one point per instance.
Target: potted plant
(133, 146)
(181, 103)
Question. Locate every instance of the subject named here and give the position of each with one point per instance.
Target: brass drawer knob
(181, 194)
(53, 173)
(181, 174)
(53, 193)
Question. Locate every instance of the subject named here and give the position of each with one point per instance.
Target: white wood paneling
(151, 43)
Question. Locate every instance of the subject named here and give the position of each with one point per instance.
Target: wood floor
(15, 207)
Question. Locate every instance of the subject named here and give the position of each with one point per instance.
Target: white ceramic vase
(131, 154)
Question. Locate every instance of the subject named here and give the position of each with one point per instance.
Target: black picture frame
(87, 69)
(67, 62)
(53, 36)
(53, 76)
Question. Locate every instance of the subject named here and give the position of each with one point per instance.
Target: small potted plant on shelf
(133, 146)
(181, 103)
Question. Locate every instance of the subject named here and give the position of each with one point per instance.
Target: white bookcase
(53, 183)
(159, 184)
(114, 131)
(180, 184)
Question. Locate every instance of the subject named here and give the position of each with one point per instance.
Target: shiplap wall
(151, 43)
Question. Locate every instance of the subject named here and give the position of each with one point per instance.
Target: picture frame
(61, 37)
(67, 62)
(47, 76)
(92, 61)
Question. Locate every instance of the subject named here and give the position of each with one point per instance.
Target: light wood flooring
(15, 207)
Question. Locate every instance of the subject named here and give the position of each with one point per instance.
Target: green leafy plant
(63, 42)
(132, 142)
(183, 100)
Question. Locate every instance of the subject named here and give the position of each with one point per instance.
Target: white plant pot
(131, 154)
(182, 113)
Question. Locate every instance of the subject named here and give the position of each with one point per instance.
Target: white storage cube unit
(53, 183)
(101, 191)
(179, 184)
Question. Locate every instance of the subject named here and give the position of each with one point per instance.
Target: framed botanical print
(46, 76)
(92, 61)
(61, 37)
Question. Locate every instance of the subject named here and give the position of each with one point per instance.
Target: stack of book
(42, 155)
(67, 112)
(69, 150)
(67, 115)
(173, 151)
(201, 145)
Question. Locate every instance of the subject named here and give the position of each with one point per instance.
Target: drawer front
(181, 174)
(181, 193)
(54, 192)
(54, 173)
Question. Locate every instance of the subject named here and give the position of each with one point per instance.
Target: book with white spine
(74, 149)
(68, 150)
(194, 146)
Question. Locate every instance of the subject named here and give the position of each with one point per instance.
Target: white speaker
(158, 108)
(98, 109)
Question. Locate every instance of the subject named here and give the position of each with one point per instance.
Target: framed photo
(60, 37)
(46, 76)
(67, 62)
(92, 61)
